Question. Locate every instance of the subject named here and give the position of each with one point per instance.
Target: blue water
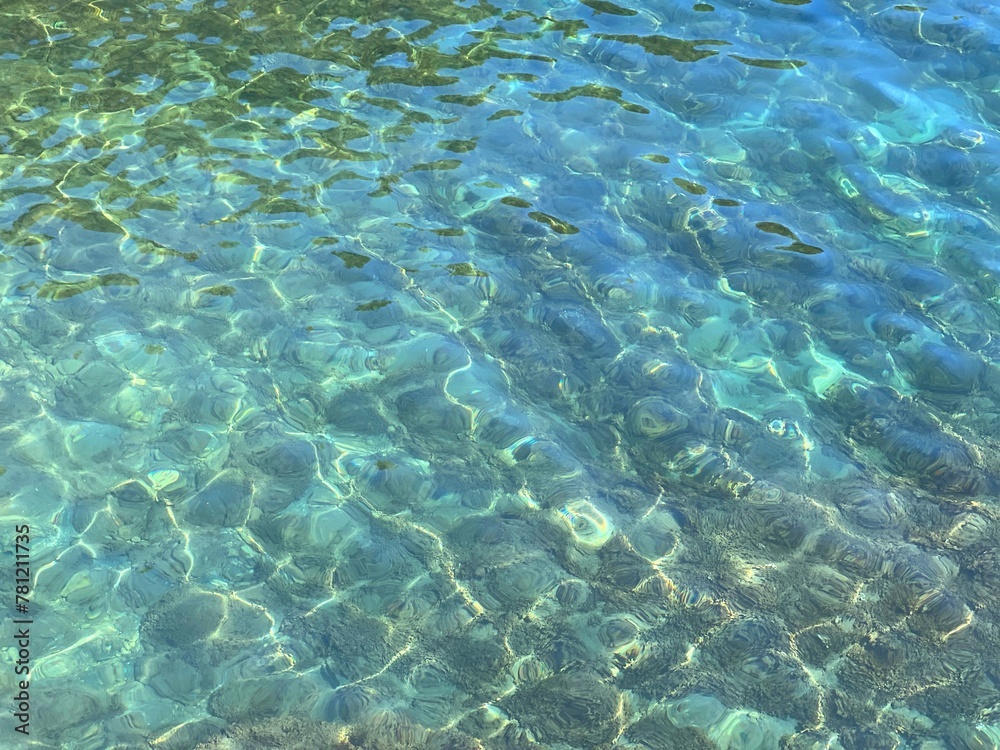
(503, 376)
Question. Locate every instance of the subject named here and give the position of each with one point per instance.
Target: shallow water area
(473, 375)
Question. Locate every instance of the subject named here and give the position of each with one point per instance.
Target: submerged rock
(574, 708)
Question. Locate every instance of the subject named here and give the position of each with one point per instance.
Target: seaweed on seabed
(655, 730)
(477, 661)
(575, 708)
(350, 642)
(390, 730)
(286, 733)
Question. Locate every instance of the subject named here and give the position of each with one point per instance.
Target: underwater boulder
(573, 708)
(285, 732)
(254, 698)
(184, 616)
(225, 501)
(945, 373)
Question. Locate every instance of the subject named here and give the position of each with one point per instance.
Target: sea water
(500, 375)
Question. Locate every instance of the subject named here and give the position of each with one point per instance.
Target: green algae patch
(219, 290)
(351, 260)
(773, 64)
(439, 164)
(682, 50)
(410, 114)
(556, 225)
(515, 202)
(591, 89)
(385, 183)
(58, 290)
(568, 27)
(457, 146)
(602, 6)
(692, 187)
(773, 227)
(802, 247)
(473, 100)
(375, 304)
(348, 174)
(384, 74)
(325, 241)
(501, 113)
(464, 269)
(797, 246)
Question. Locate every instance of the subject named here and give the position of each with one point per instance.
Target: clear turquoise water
(503, 376)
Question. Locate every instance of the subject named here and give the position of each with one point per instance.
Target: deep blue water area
(402, 375)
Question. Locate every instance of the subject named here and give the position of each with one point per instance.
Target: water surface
(512, 375)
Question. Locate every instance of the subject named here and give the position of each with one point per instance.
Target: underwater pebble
(588, 527)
